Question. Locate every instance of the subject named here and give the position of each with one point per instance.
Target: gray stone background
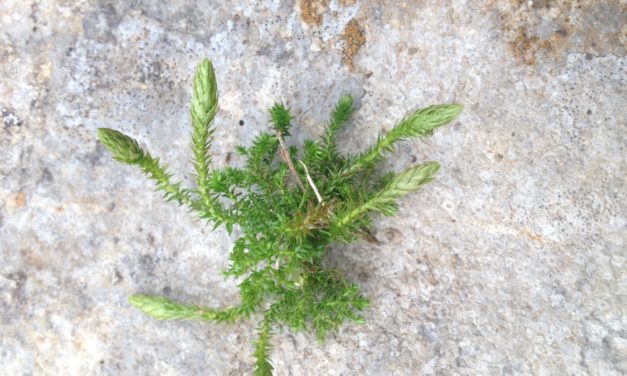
(511, 262)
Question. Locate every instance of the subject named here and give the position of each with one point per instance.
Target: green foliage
(290, 206)
(123, 148)
(419, 124)
(203, 109)
(280, 118)
(127, 150)
(342, 113)
(262, 348)
(385, 200)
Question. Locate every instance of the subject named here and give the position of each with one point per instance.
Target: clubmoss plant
(291, 206)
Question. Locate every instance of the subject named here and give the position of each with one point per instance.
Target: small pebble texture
(512, 262)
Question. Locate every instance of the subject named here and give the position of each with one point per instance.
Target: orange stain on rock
(20, 199)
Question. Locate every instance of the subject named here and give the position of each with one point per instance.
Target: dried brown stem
(285, 155)
(311, 182)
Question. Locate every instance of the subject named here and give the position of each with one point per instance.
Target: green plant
(290, 206)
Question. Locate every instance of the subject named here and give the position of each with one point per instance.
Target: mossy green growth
(291, 206)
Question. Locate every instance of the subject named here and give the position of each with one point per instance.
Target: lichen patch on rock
(353, 38)
(312, 11)
(550, 29)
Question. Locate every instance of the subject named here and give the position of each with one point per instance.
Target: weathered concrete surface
(512, 262)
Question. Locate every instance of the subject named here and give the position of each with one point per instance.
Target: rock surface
(512, 262)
